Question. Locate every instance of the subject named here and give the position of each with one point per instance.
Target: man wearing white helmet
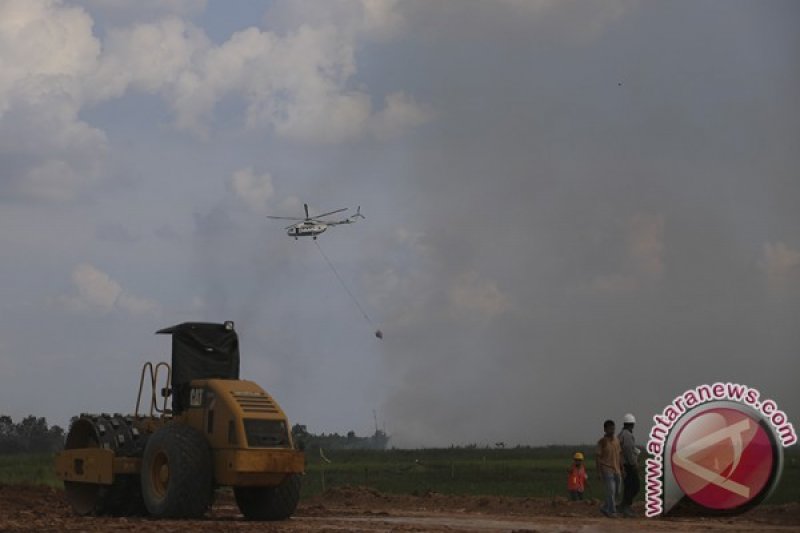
(630, 464)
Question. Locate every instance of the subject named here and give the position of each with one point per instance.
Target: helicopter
(313, 226)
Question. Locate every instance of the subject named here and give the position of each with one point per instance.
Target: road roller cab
(167, 460)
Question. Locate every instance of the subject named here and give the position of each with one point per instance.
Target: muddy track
(361, 509)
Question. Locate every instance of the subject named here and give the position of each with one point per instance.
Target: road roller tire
(123, 497)
(269, 503)
(176, 475)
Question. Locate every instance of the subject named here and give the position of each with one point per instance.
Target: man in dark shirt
(630, 464)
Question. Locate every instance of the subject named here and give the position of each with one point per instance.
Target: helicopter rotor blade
(284, 218)
(306, 207)
(331, 213)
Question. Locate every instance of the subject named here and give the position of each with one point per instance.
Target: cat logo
(196, 397)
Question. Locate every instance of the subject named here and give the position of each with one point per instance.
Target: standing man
(607, 459)
(630, 464)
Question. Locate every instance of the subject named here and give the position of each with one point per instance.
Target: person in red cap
(576, 480)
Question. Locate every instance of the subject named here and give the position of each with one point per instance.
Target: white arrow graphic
(734, 433)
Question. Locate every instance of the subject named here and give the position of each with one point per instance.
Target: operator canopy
(201, 350)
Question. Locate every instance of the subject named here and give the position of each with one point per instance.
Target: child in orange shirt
(576, 481)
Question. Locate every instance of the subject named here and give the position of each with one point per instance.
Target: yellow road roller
(204, 428)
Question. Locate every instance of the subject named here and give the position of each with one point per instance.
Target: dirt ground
(362, 509)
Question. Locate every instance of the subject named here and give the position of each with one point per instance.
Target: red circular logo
(722, 458)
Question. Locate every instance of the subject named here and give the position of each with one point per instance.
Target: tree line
(333, 441)
(29, 435)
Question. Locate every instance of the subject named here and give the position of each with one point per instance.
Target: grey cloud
(572, 166)
(116, 233)
(168, 234)
(598, 212)
(118, 12)
(216, 222)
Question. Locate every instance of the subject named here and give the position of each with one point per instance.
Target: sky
(574, 210)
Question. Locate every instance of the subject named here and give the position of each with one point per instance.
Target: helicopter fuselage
(306, 229)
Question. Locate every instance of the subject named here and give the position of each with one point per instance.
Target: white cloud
(137, 306)
(380, 286)
(44, 49)
(781, 264)
(372, 19)
(46, 52)
(198, 304)
(413, 241)
(297, 84)
(125, 10)
(98, 292)
(644, 257)
(299, 87)
(615, 283)
(152, 56)
(382, 19)
(400, 113)
(646, 244)
(407, 285)
(96, 288)
(254, 190)
(574, 20)
(53, 180)
(469, 294)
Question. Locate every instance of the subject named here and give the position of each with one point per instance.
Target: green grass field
(523, 472)
(514, 472)
(28, 469)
